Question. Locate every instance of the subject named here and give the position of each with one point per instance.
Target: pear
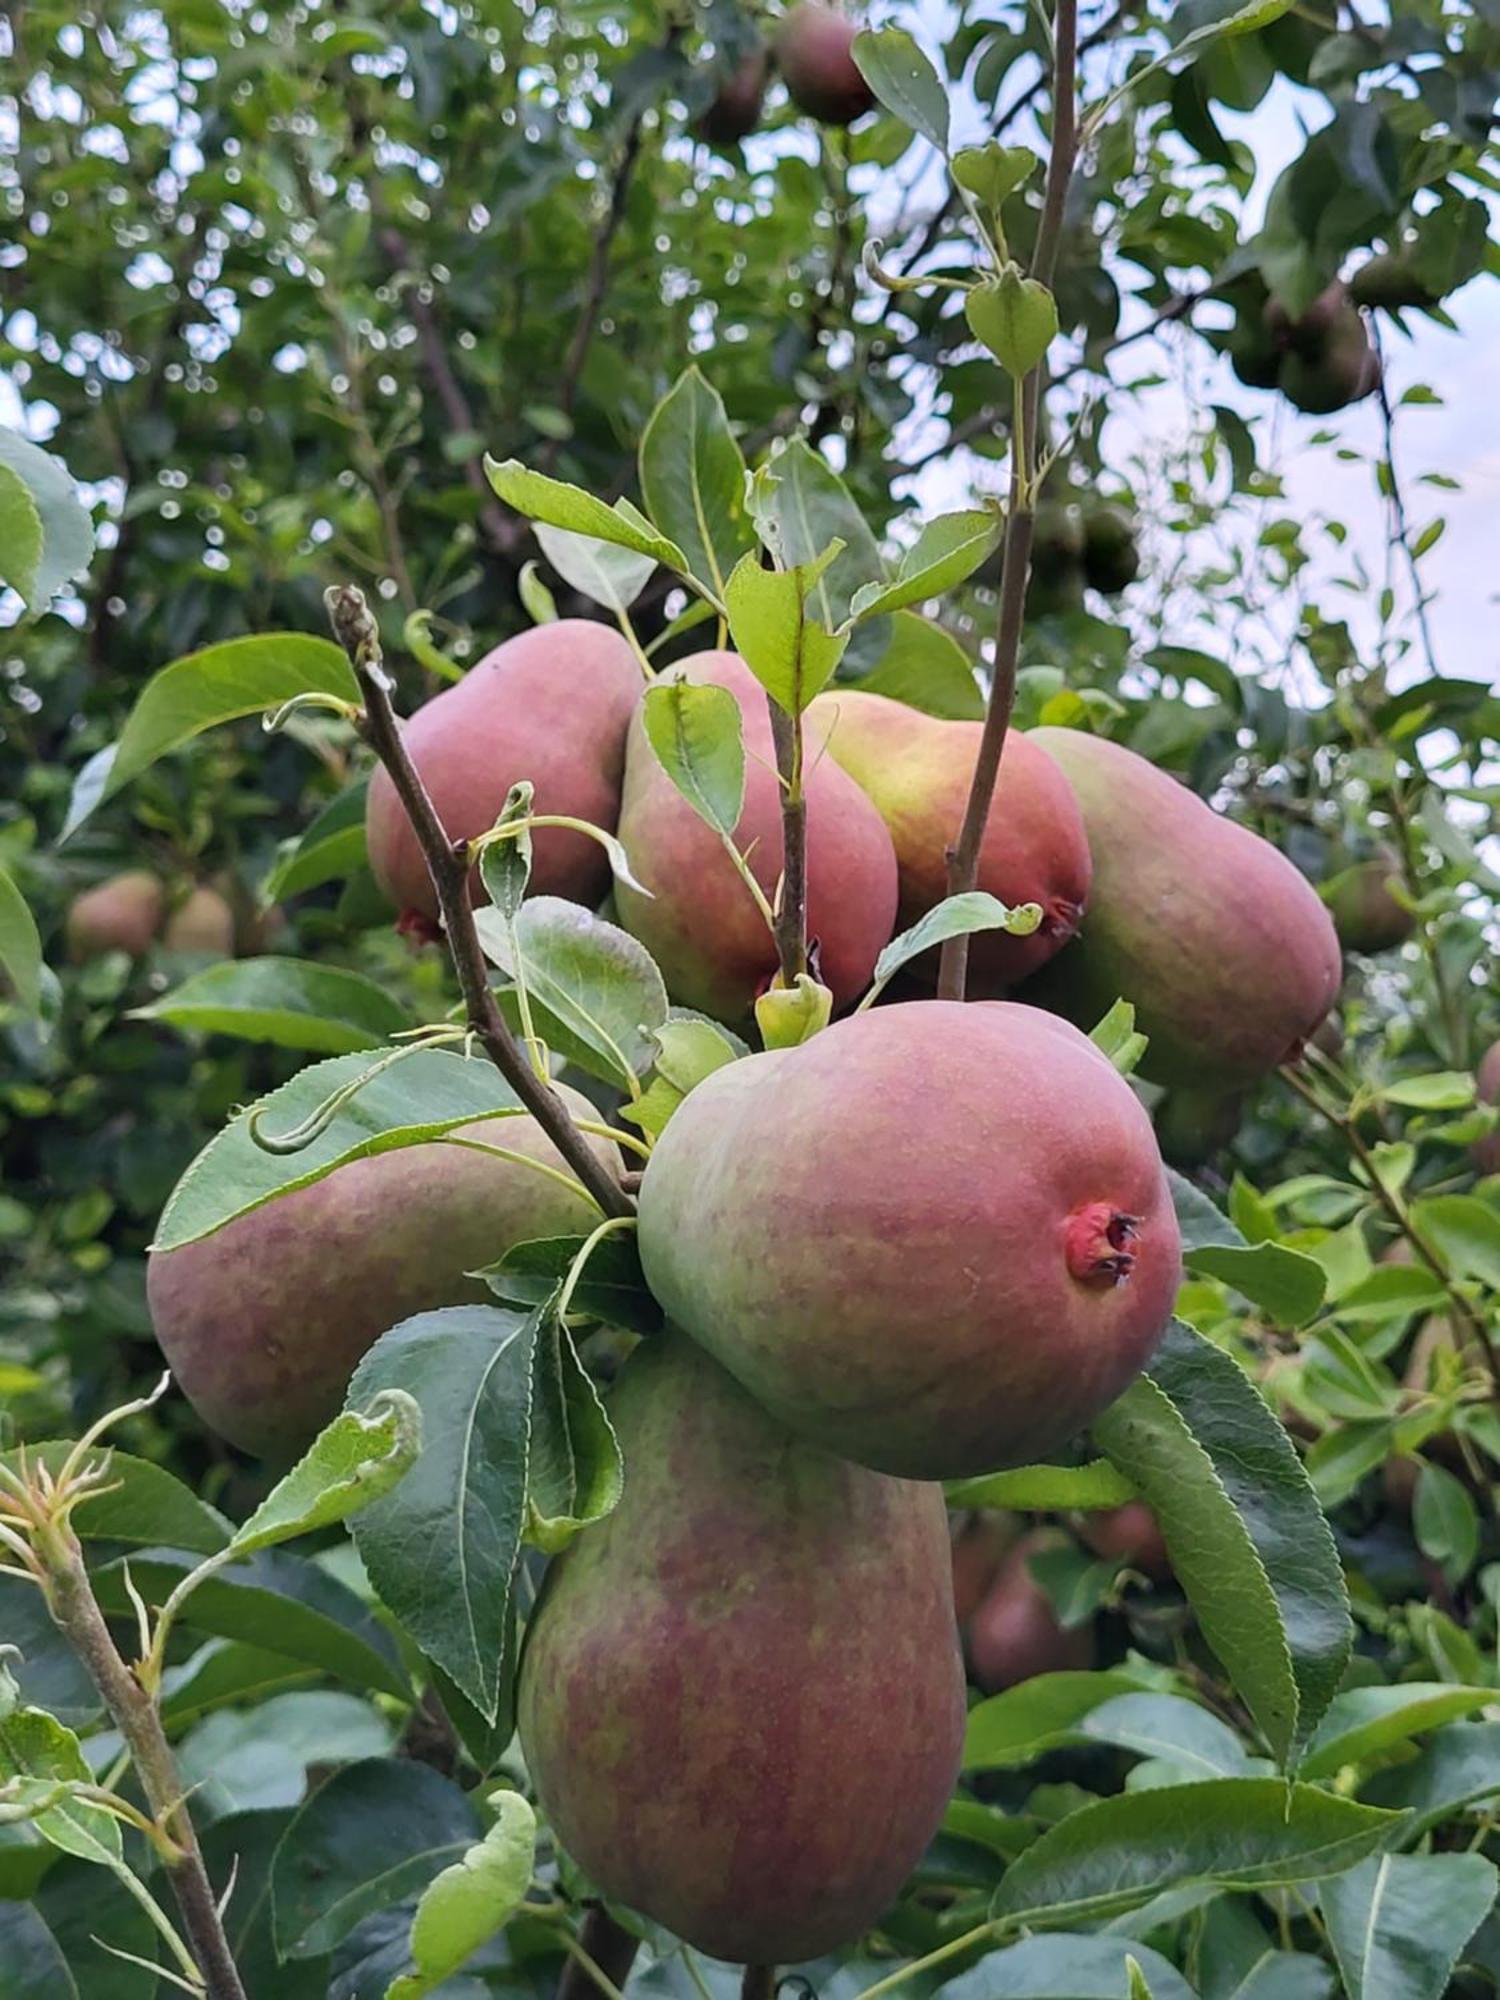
(122, 914)
(740, 1698)
(1224, 949)
(917, 770)
(815, 53)
(1015, 1633)
(1367, 917)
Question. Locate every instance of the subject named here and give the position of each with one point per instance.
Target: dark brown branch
(791, 909)
(963, 859)
(75, 1610)
(610, 1946)
(448, 865)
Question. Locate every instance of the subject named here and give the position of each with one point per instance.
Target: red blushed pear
(1485, 1152)
(122, 914)
(1224, 949)
(263, 1322)
(815, 53)
(917, 770)
(740, 1696)
(1129, 1534)
(701, 923)
(937, 1238)
(1015, 1633)
(551, 705)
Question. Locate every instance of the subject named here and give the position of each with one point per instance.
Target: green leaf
(349, 1465)
(611, 1289)
(1166, 1726)
(992, 173)
(559, 505)
(1118, 1037)
(441, 1548)
(905, 81)
(1458, 1769)
(376, 1834)
(1067, 1967)
(20, 536)
(697, 734)
(1448, 1090)
(1399, 1922)
(1197, 1218)
(66, 532)
(20, 946)
(139, 1503)
(924, 667)
(1045, 1489)
(238, 1850)
(804, 507)
(471, 1900)
(1288, 1286)
(597, 988)
(274, 1598)
(610, 575)
(1364, 1722)
(574, 1471)
(291, 1002)
(949, 548)
(332, 847)
(955, 916)
(225, 1671)
(1243, 1528)
(537, 600)
(1013, 1729)
(37, 1754)
(1015, 318)
(1240, 1833)
(1466, 1233)
(418, 1099)
(236, 1760)
(220, 684)
(687, 1050)
(693, 480)
(1446, 1521)
(789, 652)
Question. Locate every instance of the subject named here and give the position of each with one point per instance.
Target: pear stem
(963, 856)
(448, 864)
(601, 1965)
(791, 907)
(759, 1983)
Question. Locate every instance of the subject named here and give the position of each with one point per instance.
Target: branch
(448, 865)
(607, 1946)
(963, 857)
(75, 1611)
(791, 908)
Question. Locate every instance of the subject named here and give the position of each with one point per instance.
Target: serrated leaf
(955, 916)
(1247, 1539)
(805, 507)
(611, 1289)
(416, 1100)
(292, 1003)
(66, 543)
(559, 505)
(905, 82)
(574, 1473)
(441, 1548)
(351, 1463)
(505, 865)
(332, 847)
(20, 946)
(610, 575)
(948, 549)
(1398, 1922)
(470, 1900)
(38, 1754)
(139, 1502)
(1364, 1722)
(1239, 1833)
(693, 479)
(697, 734)
(924, 667)
(20, 537)
(1015, 318)
(1284, 1283)
(687, 1050)
(776, 632)
(1013, 1729)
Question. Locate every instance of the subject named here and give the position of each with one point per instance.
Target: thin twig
(963, 858)
(1400, 521)
(791, 909)
(448, 865)
(602, 1947)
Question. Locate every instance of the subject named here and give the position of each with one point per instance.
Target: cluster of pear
(1322, 360)
(132, 911)
(1080, 544)
(932, 1240)
(813, 50)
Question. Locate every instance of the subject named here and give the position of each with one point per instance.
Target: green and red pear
(202, 923)
(1485, 1152)
(815, 54)
(700, 921)
(1129, 1534)
(263, 1322)
(122, 914)
(1367, 914)
(551, 705)
(740, 1700)
(979, 1548)
(917, 770)
(1220, 944)
(937, 1238)
(735, 111)
(1015, 1632)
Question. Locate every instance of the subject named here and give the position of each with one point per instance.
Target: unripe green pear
(1193, 1125)
(1366, 915)
(936, 1238)
(1253, 353)
(263, 1322)
(917, 770)
(814, 51)
(551, 705)
(202, 923)
(1224, 949)
(736, 110)
(1485, 1152)
(700, 921)
(122, 914)
(740, 1697)
(1111, 553)
(1015, 1633)
(1390, 281)
(1309, 332)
